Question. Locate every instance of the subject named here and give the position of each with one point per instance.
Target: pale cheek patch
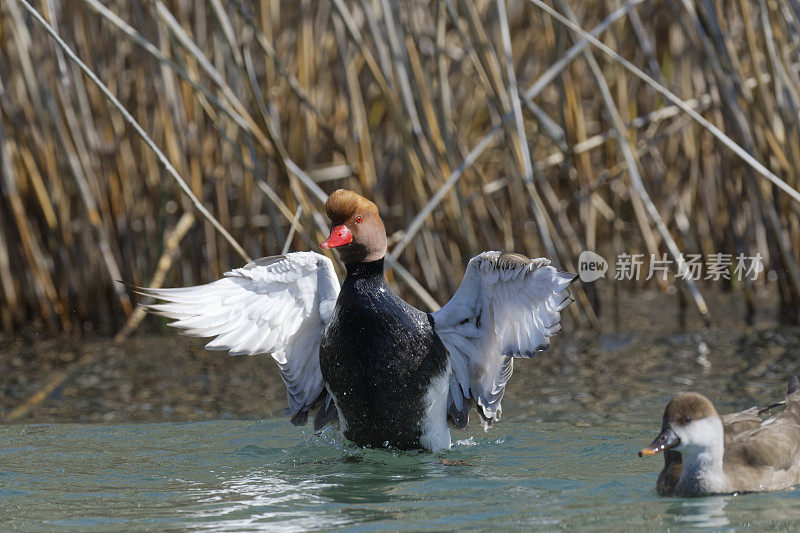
(702, 433)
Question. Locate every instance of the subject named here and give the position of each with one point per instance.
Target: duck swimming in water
(732, 425)
(391, 374)
(749, 457)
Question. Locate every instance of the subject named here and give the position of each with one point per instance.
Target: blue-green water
(249, 475)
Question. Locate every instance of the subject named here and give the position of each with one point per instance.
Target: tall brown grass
(472, 124)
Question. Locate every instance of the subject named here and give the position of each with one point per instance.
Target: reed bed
(473, 124)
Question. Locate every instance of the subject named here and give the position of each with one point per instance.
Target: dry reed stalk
(8, 312)
(134, 124)
(489, 137)
(360, 127)
(636, 178)
(526, 167)
(743, 153)
(171, 242)
(400, 68)
(264, 108)
(41, 395)
(716, 132)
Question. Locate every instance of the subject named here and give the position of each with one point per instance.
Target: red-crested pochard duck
(389, 372)
(732, 425)
(744, 455)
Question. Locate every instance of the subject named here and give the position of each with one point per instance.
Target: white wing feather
(507, 306)
(275, 305)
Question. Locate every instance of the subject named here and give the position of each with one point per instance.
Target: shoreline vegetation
(651, 347)
(472, 124)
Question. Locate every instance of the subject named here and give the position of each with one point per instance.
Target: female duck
(765, 458)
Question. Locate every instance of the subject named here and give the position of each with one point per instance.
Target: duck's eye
(358, 219)
(688, 419)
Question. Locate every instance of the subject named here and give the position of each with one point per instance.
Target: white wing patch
(507, 306)
(275, 305)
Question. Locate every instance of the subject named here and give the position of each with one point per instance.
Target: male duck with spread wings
(392, 374)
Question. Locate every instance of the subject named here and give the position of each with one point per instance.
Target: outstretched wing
(507, 306)
(275, 305)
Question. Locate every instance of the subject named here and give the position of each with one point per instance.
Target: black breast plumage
(378, 357)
